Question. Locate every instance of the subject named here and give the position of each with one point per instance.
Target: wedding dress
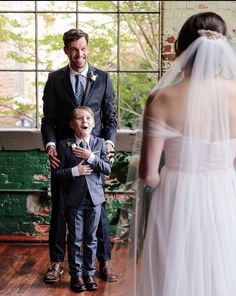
(190, 242)
(187, 246)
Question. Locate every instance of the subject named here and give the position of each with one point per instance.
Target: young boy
(82, 166)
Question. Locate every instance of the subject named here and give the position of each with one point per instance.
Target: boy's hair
(85, 108)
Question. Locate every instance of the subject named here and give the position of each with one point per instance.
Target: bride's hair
(189, 31)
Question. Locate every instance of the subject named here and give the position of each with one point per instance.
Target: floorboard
(24, 264)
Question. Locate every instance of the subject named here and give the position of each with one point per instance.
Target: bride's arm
(151, 148)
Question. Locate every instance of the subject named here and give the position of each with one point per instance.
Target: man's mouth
(80, 60)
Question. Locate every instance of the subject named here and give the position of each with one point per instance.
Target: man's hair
(85, 108)
(73, 35)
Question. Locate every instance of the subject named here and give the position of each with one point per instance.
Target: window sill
(30, 139)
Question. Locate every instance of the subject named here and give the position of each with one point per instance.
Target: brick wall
(176, 12)
(24, 204)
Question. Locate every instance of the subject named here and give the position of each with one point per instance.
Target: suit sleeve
(108, 112)
(102, 163)
(49, 113)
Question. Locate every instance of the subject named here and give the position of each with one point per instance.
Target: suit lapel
(91, 142)
(67, 83)
(90, 85)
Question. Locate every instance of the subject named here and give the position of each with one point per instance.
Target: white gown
(190, 244)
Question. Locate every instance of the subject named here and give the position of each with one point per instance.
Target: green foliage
(138, 50)
(119, 173)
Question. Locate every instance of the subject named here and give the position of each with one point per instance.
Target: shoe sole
(105, 279)
(78, 290)
(53, 281)
(92, 289)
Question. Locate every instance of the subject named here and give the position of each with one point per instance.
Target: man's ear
(72, 124)
(65, 50)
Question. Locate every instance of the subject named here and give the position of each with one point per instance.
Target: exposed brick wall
(176, 12)
(25, 205)
(23, 210)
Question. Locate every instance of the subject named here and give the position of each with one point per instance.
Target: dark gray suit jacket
(59, 101)
(74, 188)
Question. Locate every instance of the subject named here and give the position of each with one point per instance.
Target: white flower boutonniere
(93, 76)
(72, 145)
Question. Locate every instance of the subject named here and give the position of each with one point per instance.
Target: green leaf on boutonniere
(92, 75)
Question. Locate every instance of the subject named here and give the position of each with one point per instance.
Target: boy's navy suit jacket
(74, 188)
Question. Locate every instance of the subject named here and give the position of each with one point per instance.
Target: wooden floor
(22, 266)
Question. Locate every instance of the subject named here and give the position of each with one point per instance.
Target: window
(124, 40)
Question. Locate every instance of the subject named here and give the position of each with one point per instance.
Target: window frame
(36, 70)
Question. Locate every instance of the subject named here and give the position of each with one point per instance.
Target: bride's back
(170, 105)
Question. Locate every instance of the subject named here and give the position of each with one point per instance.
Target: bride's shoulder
(161, 100)
(155, 103)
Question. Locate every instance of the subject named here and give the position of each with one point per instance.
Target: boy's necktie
(83, 144)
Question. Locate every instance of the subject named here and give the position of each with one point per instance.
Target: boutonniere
(71, 144)
(92, 75)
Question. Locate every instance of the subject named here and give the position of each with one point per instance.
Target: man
(76, 84)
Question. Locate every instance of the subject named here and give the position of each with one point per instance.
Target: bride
(190, 242)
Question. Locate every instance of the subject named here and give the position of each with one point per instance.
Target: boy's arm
(102, 163)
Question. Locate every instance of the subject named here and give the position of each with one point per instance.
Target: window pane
(97, 5)
(42, 78)
(50, 31)
(17, 5)
(56, 5)
(139, 42)
(17, 100)
(138, 6)
(102, 30)
(134, 90)
(17, 41)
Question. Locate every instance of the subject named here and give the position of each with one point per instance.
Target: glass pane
(17, 100)
(134, 89)
(56, 5)
(138, 6)
(102, 30)
(42, 78)
(139, 39)
(50, 32)
(17, 5)
(97, 5)
(17, 41)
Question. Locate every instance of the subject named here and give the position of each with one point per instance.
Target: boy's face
(82, 123)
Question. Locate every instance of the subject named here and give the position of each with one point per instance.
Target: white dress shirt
(74, 170)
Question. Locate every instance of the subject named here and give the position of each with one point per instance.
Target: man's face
(82, 123)
(77, 53)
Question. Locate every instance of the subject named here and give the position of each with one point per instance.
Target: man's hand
(110, 152)
(52, 155)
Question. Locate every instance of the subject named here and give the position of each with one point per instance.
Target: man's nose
(79, 52)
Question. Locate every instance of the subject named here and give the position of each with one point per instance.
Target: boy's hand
(82, 152)
(84, 169)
